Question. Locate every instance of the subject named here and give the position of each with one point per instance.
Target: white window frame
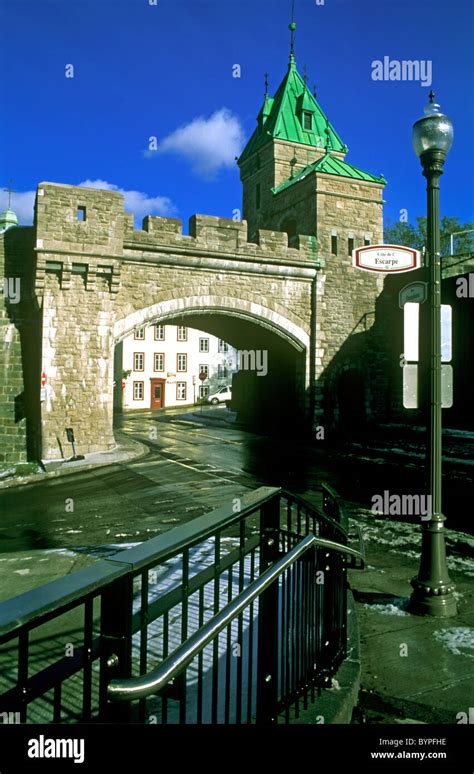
(141, 386)
(180, 369)
(162, 355)
(135, 356)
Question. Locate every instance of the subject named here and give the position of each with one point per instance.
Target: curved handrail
(140, 687)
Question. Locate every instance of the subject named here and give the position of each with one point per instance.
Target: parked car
(222, 394)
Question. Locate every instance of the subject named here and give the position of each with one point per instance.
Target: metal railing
(237, 617)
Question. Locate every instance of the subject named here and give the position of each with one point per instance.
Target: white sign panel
(386, 258)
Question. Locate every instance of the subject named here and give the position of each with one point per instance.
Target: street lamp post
(433, 591)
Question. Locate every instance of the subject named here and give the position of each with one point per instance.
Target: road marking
(206, 472)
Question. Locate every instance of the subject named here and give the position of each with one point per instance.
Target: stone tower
(295, 162)
(296, 180)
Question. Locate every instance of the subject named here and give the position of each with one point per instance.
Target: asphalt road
(193, 467)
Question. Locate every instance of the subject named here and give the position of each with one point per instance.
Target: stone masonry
(96, 279)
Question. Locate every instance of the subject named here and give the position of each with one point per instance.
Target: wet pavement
(195, 463)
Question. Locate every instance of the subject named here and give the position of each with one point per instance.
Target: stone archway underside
(252, 312)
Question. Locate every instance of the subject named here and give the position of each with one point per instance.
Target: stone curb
(123, 455)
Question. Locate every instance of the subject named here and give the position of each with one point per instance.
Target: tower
(294, 159)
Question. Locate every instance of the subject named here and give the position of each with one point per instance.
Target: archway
(264, 398)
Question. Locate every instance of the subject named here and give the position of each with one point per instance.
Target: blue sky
(166, 71)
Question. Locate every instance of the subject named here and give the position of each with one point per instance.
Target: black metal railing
(237, 617)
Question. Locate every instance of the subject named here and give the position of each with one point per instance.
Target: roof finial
(305, 76)
(266, 85)
(327, 132)
(314, 91)
(292, 30)
(432, 96)
(9, 190)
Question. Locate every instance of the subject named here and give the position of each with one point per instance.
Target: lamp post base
(432, 600)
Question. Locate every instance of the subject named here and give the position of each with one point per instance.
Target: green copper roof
(7, 219)
(331, 166)
(284, 121)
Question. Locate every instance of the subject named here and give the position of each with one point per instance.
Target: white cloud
(210, 144)
(135, 201)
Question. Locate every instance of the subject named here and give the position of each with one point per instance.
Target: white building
(165, 361)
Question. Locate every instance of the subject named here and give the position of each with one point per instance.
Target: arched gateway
(88, 278)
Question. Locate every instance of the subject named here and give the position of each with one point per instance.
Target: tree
(410, 235)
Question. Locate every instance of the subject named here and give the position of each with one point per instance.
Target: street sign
(411, 334)
(43, 379)
(410, 386)
(414, 293)
(203, 376)
(389, 259)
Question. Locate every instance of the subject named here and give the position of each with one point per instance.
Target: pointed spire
(292, 30)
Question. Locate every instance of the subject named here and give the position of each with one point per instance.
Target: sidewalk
(125, 451)
(414, 669)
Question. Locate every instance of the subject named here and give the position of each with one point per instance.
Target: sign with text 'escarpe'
(386, 258)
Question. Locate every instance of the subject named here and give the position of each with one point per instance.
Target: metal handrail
(55, 597)
(153, 682)
(327, 491)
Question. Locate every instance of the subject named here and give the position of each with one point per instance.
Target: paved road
(193, 467)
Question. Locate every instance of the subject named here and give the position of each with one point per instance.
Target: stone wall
(96, 287)
(19, 350)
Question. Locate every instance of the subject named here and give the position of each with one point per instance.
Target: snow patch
(457, 640)
(392, 608)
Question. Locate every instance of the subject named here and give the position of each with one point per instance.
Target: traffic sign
(43, 379)
(414, 293)
(203, 376)
(389, 259)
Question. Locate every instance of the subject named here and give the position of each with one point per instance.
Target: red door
(157, 393)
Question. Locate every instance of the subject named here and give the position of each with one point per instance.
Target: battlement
(91, 220)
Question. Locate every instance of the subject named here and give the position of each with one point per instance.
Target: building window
(138, 361)
(203, 390)
(350, 244)
(159, 364)
(334, 243)
(81, 214)
(138, 390)
(307, 121)
(139, 333)
(182, 333)
(181, 391)
(204, 369)
(222, 371)
(257, 196)
(366, 241)
(159, 332)
(203, 345)
(181, 362)
(223, 346)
